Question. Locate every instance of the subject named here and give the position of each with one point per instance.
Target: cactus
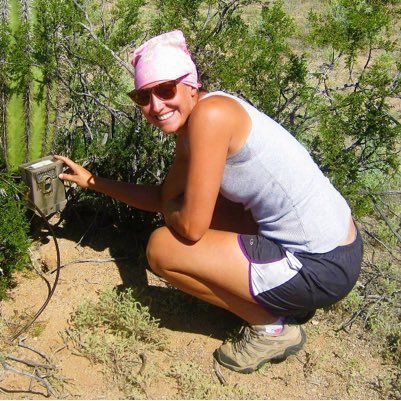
(4, 15)
(26, 108)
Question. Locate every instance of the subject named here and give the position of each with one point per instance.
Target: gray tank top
(274, 177)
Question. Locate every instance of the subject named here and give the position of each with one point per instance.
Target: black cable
(50, 289)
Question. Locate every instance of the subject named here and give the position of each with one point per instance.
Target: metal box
(46, 189)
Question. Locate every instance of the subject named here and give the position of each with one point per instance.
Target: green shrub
(14, 228)
(119, 314)
(117, 330)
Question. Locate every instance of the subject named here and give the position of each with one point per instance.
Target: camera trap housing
(46, 190)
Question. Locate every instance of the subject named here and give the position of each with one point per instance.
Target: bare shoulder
(219, 108)
(221, 117)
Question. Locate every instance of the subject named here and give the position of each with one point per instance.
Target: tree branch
(398, 236)
(91, 31)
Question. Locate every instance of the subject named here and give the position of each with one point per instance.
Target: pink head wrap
(164, 57)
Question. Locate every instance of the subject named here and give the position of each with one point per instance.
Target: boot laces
(247, 334)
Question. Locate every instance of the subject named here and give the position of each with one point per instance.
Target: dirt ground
(333, 365)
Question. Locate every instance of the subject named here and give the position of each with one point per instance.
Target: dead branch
(143, 357)
(382, 243)
(27, 362)
(391, 193)
(36, 377)
(22, 344)
(91, 225)
(349, 322)
(217, 371)
(398, 236)
(94, 260)
(21, 391)
(40, 372)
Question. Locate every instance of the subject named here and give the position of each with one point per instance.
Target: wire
(50, 289)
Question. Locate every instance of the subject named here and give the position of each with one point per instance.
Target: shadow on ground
(174, 309)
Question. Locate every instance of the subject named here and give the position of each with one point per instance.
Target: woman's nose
(156, 104)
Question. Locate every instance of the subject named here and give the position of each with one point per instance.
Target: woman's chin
(168, 127)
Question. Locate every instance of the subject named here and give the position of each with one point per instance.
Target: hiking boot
(256, 347)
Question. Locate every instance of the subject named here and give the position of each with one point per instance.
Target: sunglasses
(164, 91)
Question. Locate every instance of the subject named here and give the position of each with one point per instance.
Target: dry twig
(217, 371)
(40, 374)
(94, 260)
(143, 365)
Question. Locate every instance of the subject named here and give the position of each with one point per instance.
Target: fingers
(68, 177)
(66, 161)
(74, 173)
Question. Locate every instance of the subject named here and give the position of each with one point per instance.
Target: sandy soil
(333, 365)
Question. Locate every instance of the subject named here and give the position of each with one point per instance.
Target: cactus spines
(25, 106)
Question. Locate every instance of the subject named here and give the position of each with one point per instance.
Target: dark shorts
(294, 285)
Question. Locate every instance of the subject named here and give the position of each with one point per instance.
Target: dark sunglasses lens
(141, 97)
(163, 91)
(166, 91)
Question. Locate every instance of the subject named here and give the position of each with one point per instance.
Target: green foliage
(119, 314)
(140, 156)
(357, 133)
(357, 136)
(338, 93)
(14, 229)
(278, 74)
(339, 104)
(353, 25)
(126, 18)
(353, 301)
(4, 44)
(383, 315)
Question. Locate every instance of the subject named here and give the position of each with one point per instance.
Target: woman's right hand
(75, 173)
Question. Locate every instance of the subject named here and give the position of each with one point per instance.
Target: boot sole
(292, 350)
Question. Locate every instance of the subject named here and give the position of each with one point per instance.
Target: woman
(252, 225)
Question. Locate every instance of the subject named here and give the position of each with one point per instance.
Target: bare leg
(215, 270)
(248, 311)
(212, 269)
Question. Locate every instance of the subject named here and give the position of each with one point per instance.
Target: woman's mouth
(165, 116)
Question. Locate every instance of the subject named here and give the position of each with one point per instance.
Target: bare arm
(144, 197)
(218, 126)
(175, 181)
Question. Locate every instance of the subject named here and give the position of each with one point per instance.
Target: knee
(156, 249)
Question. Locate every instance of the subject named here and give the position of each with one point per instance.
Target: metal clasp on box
(44, 180)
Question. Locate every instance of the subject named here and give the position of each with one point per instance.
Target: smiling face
(171, 115)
